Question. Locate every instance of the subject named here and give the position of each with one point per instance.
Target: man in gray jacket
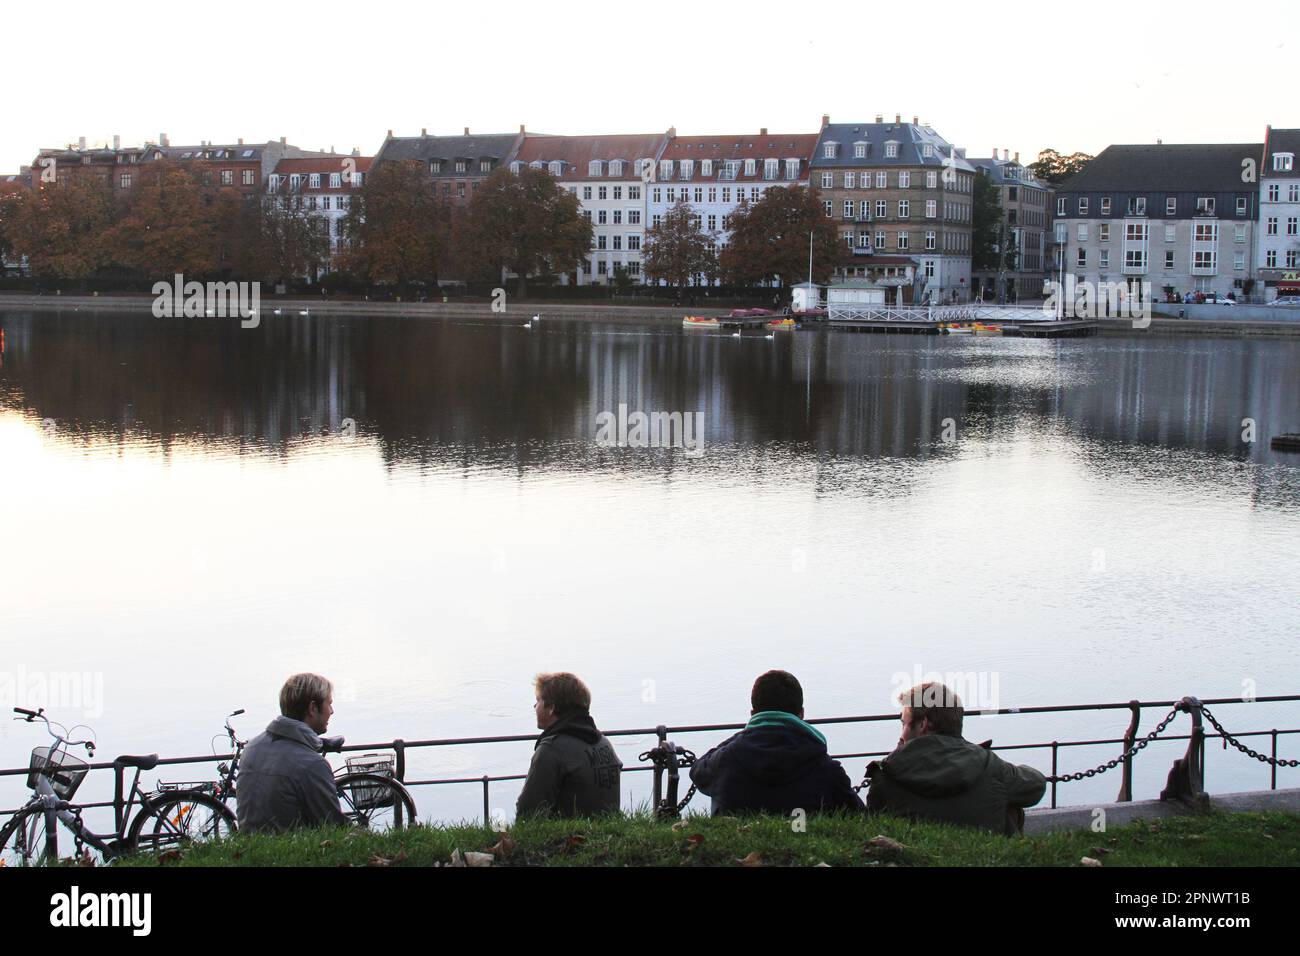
(936, 774)
(283, 781)
(575, 771)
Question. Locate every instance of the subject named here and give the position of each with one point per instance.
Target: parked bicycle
(167, 820)
(369, 793)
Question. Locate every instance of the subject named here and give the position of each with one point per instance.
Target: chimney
(1004, 155)
(672, 132)
(282, 141)
(81, 142)
(826, 120)
(117, 142)
(762, 131)
(332, 149)
(356, 151)
(241, 141)
(162, 140)
(424, 132)
(390, 134)
(916, 121)
(1160, 142)
(521, 129)
(880, 118)
(995, 154)
(1017, 156)
(898, 118)
(466, 130)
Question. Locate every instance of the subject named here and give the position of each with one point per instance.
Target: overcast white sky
(1018, 76)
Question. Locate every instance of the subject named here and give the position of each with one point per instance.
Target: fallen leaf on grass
(325, 843)
(887, 844)
(572, 842)
(503, 847)
(1099, 850)
(753, 859)
(694, 840)
(85, 859)
(1089, 861)
(170, 856)
(477, 859)
(379, 860)
(680, 825)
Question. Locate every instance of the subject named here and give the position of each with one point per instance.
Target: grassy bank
(1214, 839)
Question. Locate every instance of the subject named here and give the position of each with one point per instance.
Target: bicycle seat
(143, 762)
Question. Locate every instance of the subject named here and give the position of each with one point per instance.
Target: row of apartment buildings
(1219, 218)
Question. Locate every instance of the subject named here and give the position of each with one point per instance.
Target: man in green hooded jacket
(936, 774)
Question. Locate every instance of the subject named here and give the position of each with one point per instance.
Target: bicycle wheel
(178, 819)
(25, 840)
(374, 801)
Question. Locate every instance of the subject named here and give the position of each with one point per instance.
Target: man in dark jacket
(936, 774)
(283, 781)
(778, 763)
(575, 771)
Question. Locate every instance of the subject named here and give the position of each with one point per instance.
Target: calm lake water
(419, 509)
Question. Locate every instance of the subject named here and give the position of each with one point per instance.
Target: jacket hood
(776, 754)
(578, 724)
(294, 730)
(937, 765)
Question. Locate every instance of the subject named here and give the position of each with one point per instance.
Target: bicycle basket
(64, 771)
(367, 795)
(201, 786)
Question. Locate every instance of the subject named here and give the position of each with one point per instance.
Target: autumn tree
(398, 230)
(527, 224)
(293, 241)
(61, 228)
(770, 238)
(677, 251)
(10, 201)
(166, 227)
(1055, 168)
(986, 238)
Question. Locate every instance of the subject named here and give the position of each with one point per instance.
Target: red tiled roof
(327, 164)
(742, 146)
(577, 152)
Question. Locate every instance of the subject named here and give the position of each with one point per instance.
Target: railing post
(1273, 784)
(1054, 749)
(399, 765)
(487, 810)
(1126, 782)
(1186, 782)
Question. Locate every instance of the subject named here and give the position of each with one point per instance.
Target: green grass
(1211, 839)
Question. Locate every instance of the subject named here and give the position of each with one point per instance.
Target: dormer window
(536, 164)
(792, 169)
(687, 168)
(891, 150)
(593, 167)
(1283, 162)
(616, 167)
(313, 181)
(706, 167)
(749, 167)
(859, 150)
(927, 150)
(770, 167)
(295, 181)
(435, 165)
(485, 165)
(557, 168)
(336, 180)
(462, 165)
(516, 166)
(829, 150)
(665, 169)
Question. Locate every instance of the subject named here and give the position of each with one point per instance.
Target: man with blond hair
(936, 774)
(283, 781)
(574, 771)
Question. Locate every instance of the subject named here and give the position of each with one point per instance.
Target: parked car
(1213, 298)
(1291, 300)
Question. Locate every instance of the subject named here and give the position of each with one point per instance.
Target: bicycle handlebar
(29, 714)
(331, 744)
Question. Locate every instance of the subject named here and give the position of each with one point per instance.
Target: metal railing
(1189, 770)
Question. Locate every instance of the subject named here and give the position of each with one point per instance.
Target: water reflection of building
(431, 394)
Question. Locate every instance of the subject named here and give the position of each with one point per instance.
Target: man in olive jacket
(936, 774)
(574, 771)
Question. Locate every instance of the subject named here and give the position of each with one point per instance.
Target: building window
(699, 195)
(1169, 233)
(1082, 259)
(848, 209)
(829, 207)
(600, 217)
(931, 208)
(634, 242)
(618, 192)
(602, 192)
(706, 167)
(850, 180)
(1270, 259)
(1083, 206)
(749, 167)
(1291, 225)
(1103, 261)
(929, 240)
(770, 168)
(634, 217)
(713, 194)
(1270, 226)
(586, 192)
(792, 169)
(1282, 162)
(902, 240)
(125, 181)
(904, 180)
(755, 194)
(460, 190)
(828, 151)
(633, 192)
(713, 222)
(1291, 258)
(882, 180)
(228, 177)
(1239, 233)
(248, 177)
(1060, 205)
(880, 209)
(1105, 205)
(726, 194)
(904, 208)
(1169, 259)
(859, 150)
(1205, 205)
(1103, 231)
(931, 179)
(1137, 206)
(1293, 192)
(1083, 232)
(891, 150)
(600, 242)
(618, 217)
(880, 240)
(618, 242)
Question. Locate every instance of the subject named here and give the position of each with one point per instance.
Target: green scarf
(779, 718)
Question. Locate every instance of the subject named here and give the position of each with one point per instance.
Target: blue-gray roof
(911, 139)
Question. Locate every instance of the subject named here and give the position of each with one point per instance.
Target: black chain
(1112, 764)
(685, 758)
(1229, 739)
